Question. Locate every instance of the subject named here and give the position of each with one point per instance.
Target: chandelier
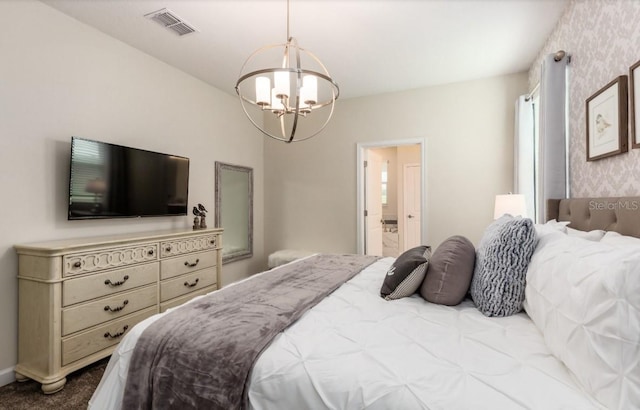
(293, 98)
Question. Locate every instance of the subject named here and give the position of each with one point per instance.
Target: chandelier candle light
(300, 99)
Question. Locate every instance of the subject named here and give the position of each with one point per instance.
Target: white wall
(311, 200)
(60, 78)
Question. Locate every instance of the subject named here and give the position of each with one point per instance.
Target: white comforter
(355, 350)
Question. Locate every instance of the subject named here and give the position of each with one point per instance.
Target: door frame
(360, 198)
(370, 220)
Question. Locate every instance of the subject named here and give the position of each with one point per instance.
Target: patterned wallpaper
(603, 39)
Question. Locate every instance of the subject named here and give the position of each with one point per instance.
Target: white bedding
(355, 350)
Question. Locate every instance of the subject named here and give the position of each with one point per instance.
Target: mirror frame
(220, 167)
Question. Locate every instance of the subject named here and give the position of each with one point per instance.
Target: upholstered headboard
(619, 214)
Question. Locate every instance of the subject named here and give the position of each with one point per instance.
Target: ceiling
(368, 46)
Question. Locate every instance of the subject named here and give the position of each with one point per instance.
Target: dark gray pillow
(406, 274)
(502, 257)
(450, 272)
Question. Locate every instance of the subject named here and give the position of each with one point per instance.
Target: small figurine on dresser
(200, 212)
(203, 214)
(196, 220)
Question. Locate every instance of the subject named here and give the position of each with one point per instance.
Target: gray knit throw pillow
(502, 257)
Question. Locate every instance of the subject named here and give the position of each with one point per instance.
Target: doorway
(391, 196)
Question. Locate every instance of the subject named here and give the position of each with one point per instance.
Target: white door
(412, 212)
(373, 205)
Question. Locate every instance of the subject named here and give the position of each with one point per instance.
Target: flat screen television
(114, 181)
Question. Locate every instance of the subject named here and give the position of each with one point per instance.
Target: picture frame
(634, 100)
(607, 120)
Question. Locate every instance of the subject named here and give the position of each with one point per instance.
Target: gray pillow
(450, 272)
(502, 257)
(406, 274)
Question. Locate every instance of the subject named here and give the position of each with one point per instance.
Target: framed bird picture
(607, 116)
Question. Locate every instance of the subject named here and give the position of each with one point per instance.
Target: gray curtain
(552, 149)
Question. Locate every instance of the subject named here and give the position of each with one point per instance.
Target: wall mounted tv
(113, 181)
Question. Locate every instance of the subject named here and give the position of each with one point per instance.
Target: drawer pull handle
(190, 285)
(191, 265)
(108, 281)
(150, 252)
(108, 335)
(116, 309)
(77, 264)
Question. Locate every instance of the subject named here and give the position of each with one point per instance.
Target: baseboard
(7, 376)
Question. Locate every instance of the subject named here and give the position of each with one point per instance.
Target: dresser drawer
(93, 313)
(103, 284)
(79, 263)
(186, 263)
(184, 284)
(84, 344)
(188, 245)
(183, 299)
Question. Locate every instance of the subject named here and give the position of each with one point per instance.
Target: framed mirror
(234, 210)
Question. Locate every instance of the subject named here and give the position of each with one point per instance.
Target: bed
(356, 350)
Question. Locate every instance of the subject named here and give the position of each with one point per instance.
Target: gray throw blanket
(200, 355)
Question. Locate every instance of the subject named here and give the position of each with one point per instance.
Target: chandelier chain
(288, 36)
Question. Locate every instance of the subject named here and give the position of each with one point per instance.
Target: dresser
(79, 297)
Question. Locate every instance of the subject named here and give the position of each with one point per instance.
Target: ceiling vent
(171, 22)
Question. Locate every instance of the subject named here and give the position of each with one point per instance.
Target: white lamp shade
(310, 87)
(263, 90)
(281, 83)
(512, 204)
(304, 97)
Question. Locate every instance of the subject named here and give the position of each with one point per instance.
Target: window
(384, 180)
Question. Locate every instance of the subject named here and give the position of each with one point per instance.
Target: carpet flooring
(75, 395)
